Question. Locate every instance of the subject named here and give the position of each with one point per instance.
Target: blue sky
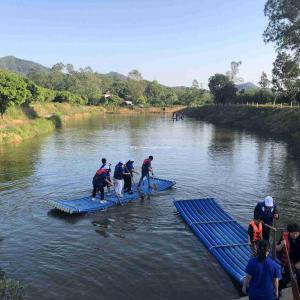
(170, 41)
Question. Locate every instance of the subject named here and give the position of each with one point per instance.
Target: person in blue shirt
(146, 168)
(263, 274)
(119, 178)
(267, 211)
(100, 180)
(129, 168)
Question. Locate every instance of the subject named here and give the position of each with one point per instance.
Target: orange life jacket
(284, 259)
(257, 231)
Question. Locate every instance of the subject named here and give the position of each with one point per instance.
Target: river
(142, 250)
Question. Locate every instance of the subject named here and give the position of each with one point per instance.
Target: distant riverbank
(20, 123)
(283, 123)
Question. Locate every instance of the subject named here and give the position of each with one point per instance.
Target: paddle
(295, 290)
(274, 240)
(154, 183)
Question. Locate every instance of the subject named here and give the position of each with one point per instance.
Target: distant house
(107, 94)
(127, 103)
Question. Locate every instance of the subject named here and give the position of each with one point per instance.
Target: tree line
(84, 86)
(284, 30)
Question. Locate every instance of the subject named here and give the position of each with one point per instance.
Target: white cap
(106, 167)
(269, 201)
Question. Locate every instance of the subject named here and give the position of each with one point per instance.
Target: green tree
(284, 24)
(13, 90)
(136, 85)
(264, 81)
(222, 88)
(286, 74)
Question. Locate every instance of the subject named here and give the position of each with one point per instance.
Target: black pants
(98, 188)
(127, 183)
(286, 278)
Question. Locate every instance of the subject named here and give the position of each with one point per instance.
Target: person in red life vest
(100, 180)
(146, 168)
(262, 275)
(255, 233)
(267, 210)
(129, 168)
(292, 240)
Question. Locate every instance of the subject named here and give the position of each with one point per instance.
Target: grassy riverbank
(24, 122)
(281, 123)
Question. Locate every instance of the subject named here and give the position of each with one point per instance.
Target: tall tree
(195, 84)
(222, 88)
(264, 81)
(136, 86)
(286, 73)
(234, 70)
(284, 24)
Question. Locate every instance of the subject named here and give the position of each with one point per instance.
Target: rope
(228, 245)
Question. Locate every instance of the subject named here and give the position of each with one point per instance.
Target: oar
(274, 241)
(154, 183)
(295, 290)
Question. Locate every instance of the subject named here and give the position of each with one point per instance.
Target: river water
(142, 250)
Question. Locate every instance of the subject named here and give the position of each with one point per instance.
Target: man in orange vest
(292, 240)
(255, 233)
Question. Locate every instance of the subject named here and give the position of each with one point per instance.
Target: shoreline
(21, 123)
(280, 123)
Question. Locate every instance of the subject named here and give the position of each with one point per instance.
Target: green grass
(14, 134)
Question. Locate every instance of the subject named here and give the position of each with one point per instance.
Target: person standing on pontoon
(146, 169)
(119, 178)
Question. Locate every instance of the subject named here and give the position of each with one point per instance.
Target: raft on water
(86, 204)
(224, 237)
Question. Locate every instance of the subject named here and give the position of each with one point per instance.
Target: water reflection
(145, 240)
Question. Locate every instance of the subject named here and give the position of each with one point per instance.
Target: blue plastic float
(224, 237)
(84, 205)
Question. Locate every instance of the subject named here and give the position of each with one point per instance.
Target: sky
(170, 41)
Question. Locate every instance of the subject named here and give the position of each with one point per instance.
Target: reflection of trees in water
(17, 161)
(284, 183)
(222, 141)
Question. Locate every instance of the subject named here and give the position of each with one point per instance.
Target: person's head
(130, 161)
(103, 160)
(294, 230)
(269, 202)
(263, 249)
(151, 157)
(121, 162)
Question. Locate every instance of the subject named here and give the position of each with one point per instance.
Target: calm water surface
(142, 250)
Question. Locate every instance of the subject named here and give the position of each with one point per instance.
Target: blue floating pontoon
(86, 204)
(225, 238)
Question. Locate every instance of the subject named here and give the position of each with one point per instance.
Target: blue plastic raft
(221, 234)
(86, 204)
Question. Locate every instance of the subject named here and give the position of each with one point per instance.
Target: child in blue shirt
(263, 275)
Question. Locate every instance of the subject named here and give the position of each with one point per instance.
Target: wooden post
(257, 104)
(281, 105)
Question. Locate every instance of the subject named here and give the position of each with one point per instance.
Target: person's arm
(108, 181)
(280, 245)
(276, 285)
(250, 235)
(246, 283)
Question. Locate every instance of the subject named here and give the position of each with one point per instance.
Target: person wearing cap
(291, 238)
(129, 168)
(267, 211)
(100, 180)
(146, 168)
(255, 233)
(119, 178)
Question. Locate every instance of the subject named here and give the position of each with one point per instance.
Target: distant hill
(116, 75)
(246, 86)
(20, 66)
